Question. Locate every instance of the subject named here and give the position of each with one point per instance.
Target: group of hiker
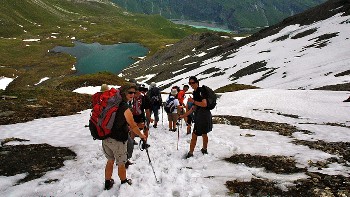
(133, 117)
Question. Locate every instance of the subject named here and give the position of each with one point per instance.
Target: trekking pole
(181, 123)
(144, 146)
(178, 133)
(162, 114)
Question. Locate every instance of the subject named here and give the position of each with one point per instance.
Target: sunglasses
(190, 83)
(131, 92)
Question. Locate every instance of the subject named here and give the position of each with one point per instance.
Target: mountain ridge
(306, 40)
(236, 15)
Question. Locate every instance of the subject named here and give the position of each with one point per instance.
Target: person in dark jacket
(156, 102)
(202, 116)
(115, 147)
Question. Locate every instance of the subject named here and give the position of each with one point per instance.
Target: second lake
(93, 58)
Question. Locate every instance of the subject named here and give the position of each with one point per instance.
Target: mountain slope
(30, 28)
(305, 51)
(236, 14)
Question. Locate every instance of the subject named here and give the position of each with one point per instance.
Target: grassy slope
(87, 21)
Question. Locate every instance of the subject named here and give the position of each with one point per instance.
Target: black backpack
(210, 95)
(155, 97)
(169, 105)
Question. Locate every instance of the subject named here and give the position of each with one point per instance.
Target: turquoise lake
(93, 58)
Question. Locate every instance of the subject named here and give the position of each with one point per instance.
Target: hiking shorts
(203, 123)
(189, 120)
(139, 118)
(115, 150)
(173, 117)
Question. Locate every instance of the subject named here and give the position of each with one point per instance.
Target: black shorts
(189, 120)
(202, 122)
(139, 118)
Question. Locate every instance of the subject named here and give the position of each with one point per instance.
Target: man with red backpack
(114, 134)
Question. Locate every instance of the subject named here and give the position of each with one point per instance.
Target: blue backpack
(169, 106)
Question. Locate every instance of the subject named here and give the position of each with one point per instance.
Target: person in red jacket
(181, 98)
(181, 94)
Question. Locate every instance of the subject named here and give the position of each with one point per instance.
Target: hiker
(202, 117)
(143, 125)
(177, 89)
(181, 94)
(181, 97)
(171, 105)
(116, 150)
(141, 110)
(96, 96)
(156, 102)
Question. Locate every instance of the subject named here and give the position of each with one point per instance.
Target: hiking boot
(189, 155)
(128, 181)
(204, 151)
(127, 164)
(174, 130)
(109, 184)
(154, 126)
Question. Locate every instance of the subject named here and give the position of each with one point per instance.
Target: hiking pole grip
(143, 145)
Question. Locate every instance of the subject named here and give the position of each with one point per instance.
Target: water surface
(93, 58)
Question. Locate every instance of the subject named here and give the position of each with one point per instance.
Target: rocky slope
(305, 35)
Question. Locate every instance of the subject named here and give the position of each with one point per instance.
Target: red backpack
(137, 105)
(103, 114)
(96, 98)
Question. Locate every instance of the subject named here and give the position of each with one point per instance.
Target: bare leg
(174, 124)
(170, 125)
(109, 170)
(193, 142)
(121, 171)
(205, 141)
(188, 129)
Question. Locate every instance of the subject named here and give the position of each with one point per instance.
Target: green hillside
(58, 22)
(236, 14)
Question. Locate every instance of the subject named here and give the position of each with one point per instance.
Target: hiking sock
(109, 184)
(128, 181)
(204, 151)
